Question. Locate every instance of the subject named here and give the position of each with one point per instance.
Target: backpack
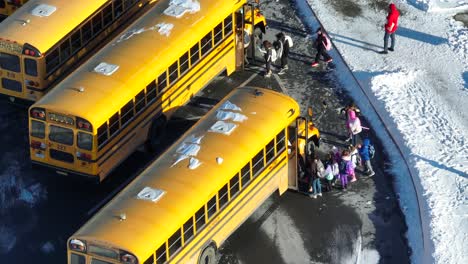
(278, 45)
(329, 172)
(274, 56)
(371, 151)
(342, 165)
(327, 44)
(289, 40)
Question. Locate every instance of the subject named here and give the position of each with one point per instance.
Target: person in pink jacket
(390, 28)
(354, 126)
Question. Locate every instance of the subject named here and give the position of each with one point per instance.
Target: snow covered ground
(420, 92)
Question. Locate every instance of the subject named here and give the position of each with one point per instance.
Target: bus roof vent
(150, 194)
(106, 68)
(177, 8)
(43, 10)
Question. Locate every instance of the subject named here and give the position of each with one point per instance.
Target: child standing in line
(345, 166)
(364, 152)
(353, 151)
(354, 126)
(267, 51)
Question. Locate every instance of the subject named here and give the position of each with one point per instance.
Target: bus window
(245, 175)
(107, 15)
(211, 207)
(218, 33)
(257, 163)
(175, 242)
(75, 41)
(223, 196)
(97, 24)
(280, 141)
(188, 230)
(37, 129)
(30, 67)
(200, 218)
(150, 260)
(61, 135)
(162, 82)
(126, 112)
(52, 61)
(234, 185)
(206, 43)
(184, 64)
(102, 134)
(270, 151)
(228, 25)
(9, 62)
(140, 101)
(194, 54)
(173, 73)
(150, 92)
(86, 33)
(118, 8)
(77, 259)
(85, 141)
(114, 124)
(65, 50)
(161, 256)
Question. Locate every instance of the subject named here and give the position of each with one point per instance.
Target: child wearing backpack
(345, 167)
(284, 44)
(269, 53)
(367, 152)
(322, 44)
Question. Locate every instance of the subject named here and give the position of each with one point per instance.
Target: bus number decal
(61, 147)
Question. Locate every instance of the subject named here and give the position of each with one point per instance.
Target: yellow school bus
(7, 7)
(121, 97)
(199, 191)
(46, 39)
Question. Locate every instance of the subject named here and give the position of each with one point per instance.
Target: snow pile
(440, 5)
(420, 93)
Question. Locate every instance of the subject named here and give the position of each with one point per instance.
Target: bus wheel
(208, 255)
(156, 134)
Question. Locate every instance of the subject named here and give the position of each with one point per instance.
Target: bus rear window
(30, 67)
(37, 129)
(9, 62)
(61, 135)
(85, 141)
(77, 259)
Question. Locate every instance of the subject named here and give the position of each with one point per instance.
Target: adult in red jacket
(391, 27)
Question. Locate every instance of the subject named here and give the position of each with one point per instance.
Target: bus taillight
(38, 113)
(128, 258)
(32, 83)
(83, 124)
(31, 51)
(83, 156)
(38, 145)
(77, 245)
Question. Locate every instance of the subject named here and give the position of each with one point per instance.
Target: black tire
(208, 255)
(156, 134)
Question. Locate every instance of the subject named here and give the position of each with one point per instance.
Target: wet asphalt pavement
(361, 225)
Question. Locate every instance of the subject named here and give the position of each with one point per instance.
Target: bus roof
(43, 32)
(139, 52)
(186, 190)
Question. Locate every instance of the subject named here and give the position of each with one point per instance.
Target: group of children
(338, 167)
(279, 49)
